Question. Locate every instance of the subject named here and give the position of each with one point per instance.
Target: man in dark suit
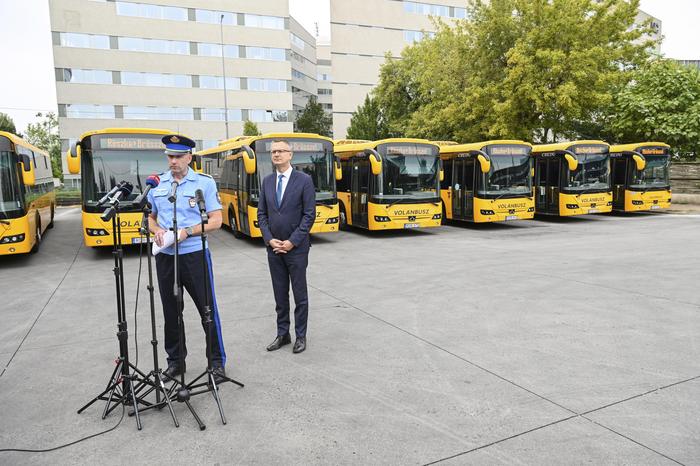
(286, 213)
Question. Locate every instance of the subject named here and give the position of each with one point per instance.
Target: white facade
(128, 64)
(323, 69)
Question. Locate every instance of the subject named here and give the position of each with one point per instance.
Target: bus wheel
(37, 238)
(234, 224)
(343, 219)
(50, 225)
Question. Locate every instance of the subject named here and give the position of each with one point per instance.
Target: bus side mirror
(375, 161)
(442, 171)
(484, 163)
(639, 161)
(571, 161)
(197, 163)
(338, 170)
(73, 159)
(28, 174)
(249, 161)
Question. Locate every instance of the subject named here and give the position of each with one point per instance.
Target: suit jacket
(295, 216)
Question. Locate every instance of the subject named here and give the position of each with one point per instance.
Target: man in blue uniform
(179, 152)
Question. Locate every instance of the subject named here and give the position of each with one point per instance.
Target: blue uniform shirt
(187, 211)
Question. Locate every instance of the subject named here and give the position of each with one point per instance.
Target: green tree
(7, 124)
(44, 135)
(313, 119)
(250, 128)
(661, 103)
(529, 69)
(367, 122)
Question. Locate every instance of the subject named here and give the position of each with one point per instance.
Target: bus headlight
(437, 216)
(332, 220)
(530, 209)
(96, 232)
(381, 218)
(609, 203)
(572, 206)
(487, 212)
(12, 239)
(256, 224)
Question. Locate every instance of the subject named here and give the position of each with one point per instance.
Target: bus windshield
(655, 173)
(109, 159)
(509, 175)
(10, 187)
(592, 173)
(409, 171)
(313, 157)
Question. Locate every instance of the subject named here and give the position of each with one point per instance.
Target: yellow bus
(239, 165)
(27, 198)
(390, 184)
(106, 157)
(572, 178)
(640, 177)
(487, 181)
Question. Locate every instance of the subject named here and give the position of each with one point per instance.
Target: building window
(269, 85)
(217, 82)
(88, 41)
(143, 10)
(324, 77)
(214, 17)
(265, 53)
(217, 114)
(131, 78)
(268, 116)
(416, 36)
(214, 50)
(460, 13)
(72, 75)
(325, 92)
(426, 9)
(209, 143)
(297, 41)
(89, 111)
(137, 44)
(260, 21)
(158, 113)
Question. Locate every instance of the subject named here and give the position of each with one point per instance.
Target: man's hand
(158, 237)
(181, 235)
(285, 247)
(275, 243)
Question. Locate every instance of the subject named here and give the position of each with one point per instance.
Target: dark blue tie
(279, 191)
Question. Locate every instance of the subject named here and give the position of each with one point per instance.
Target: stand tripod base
(211, 386)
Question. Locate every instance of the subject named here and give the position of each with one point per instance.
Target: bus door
(553, 183)
(242, 190)
(463, 182)
(619, 175)
(360, 191)
(541, 185)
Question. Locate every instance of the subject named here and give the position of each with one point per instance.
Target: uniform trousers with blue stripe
(191, 278)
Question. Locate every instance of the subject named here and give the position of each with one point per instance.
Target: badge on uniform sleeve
(193, 202)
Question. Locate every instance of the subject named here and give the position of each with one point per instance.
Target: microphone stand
(121, 385)
(157, 385)
(183, 393)
(209, 372)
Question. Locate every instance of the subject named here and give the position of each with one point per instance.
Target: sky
(28, 87)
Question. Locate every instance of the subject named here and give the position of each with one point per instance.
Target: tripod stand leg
(136, 404)
(110, 386)
(202, 426)
(215, 393)
(115, 385)
(160, 383)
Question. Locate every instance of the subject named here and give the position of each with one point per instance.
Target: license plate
(654, 207)
(511, 217)
(411, 225)
(593, 211)
(138, 240)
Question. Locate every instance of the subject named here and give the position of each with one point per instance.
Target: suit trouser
(192, 279)
(286, 268)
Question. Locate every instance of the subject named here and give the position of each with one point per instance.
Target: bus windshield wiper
(399, 200)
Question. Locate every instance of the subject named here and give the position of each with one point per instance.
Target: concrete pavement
(552, 341)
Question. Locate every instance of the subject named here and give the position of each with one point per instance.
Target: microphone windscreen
(127, 188)
(153, 181)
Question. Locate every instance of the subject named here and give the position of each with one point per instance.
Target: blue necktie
(279, 191)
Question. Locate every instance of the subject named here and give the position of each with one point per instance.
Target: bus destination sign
(653, 151)
(590, 149)
(127, 143)
(508, 150)
(300, 146)
(410, 150)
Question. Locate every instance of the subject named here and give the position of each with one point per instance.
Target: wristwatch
(189, 231)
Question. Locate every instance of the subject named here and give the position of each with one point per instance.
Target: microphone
(173, 191)
(151, 182)
(123, 190)
(113, 191)
(199, 198)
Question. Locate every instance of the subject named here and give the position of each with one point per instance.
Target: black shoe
(219, 374)
(299, 345)
(279, 342)
(173, 371)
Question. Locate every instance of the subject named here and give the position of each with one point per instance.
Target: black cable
(22, 450)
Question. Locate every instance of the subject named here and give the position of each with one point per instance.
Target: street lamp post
(223, 69)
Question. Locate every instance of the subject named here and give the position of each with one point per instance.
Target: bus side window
(225, 176)
(469, 174)
(362, 174)
(619, 171)
(346, 167)
(447, 168)
(553, 173)
(236, 173)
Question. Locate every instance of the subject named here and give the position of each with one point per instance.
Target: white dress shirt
(285, 180)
